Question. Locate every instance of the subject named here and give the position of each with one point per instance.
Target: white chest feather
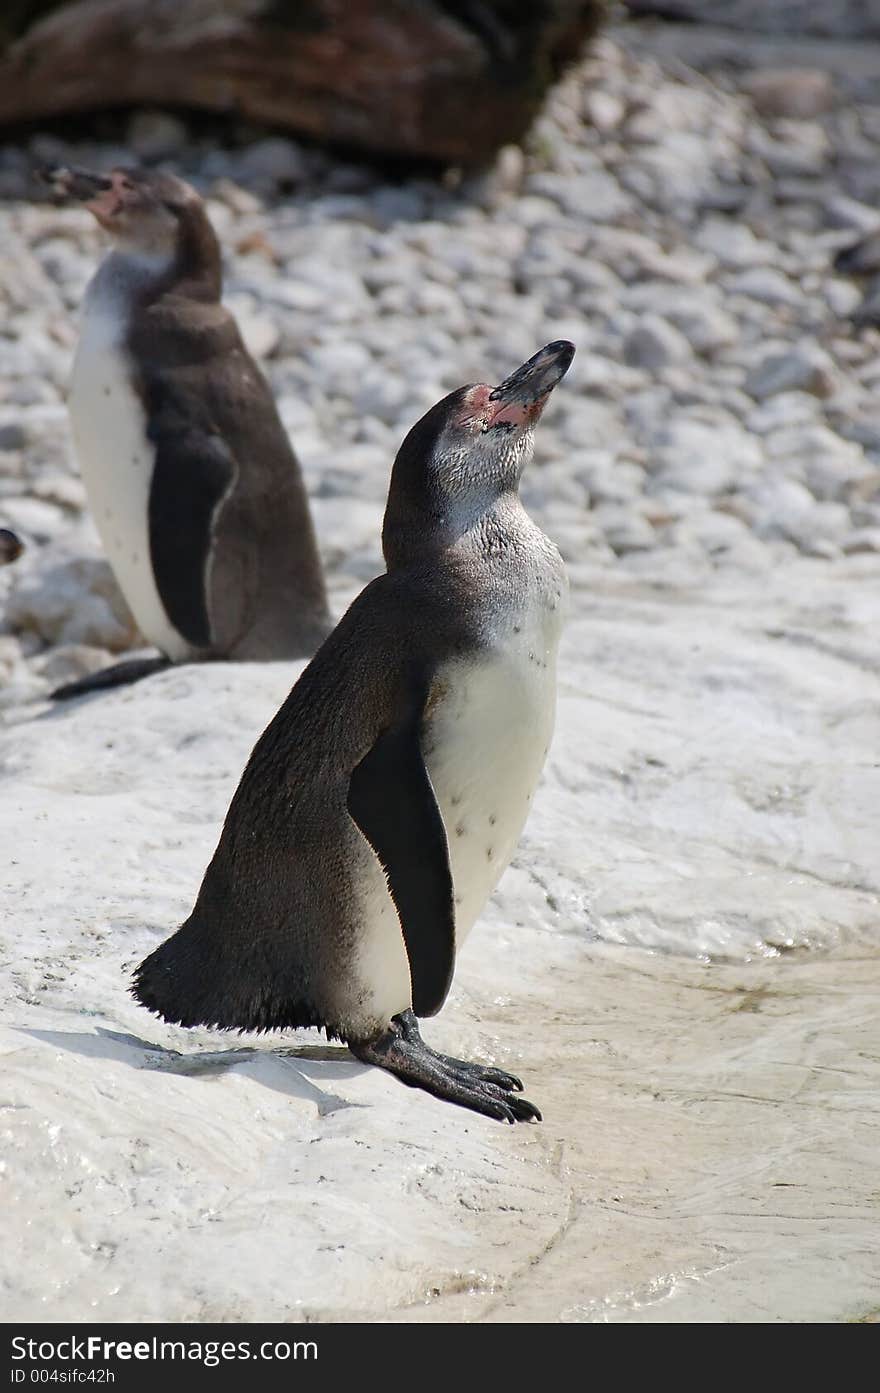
(485, 745)
(116, 459)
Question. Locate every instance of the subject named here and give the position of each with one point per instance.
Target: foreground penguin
(192, 482)
(380, 807)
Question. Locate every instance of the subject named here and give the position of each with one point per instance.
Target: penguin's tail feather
(190, 981)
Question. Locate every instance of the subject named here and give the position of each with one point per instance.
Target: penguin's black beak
(521, 397)
(538, 376)
(72, 182)
(10, 546)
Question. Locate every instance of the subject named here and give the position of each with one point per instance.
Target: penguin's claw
(403, 1052)
(510, 1082)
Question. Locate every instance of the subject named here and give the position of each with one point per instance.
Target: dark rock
(12, 436)
(10, 546)
(861, 259)
(832, 18)
(796, 92)
(801, 369)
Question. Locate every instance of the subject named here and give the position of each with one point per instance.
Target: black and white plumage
(194, 487)
(380, 807)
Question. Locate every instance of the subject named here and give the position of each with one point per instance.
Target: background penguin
(195, 490)
(11, 547)
(380, 807)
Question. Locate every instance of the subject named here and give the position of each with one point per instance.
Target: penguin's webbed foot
(119, 675)
(410, 1027)
(403, 1052)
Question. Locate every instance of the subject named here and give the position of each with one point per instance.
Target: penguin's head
(10, 546)
(149, 213)
(466, 451)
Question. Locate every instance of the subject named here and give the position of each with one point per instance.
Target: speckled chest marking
(485, 740)
(115, 456)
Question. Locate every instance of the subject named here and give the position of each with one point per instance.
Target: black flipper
(191, 475)
(391, 799)
(119, 675)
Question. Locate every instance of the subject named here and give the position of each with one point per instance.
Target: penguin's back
(243, 576)
(294, 924)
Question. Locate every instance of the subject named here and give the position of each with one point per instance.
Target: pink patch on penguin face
(109, 203)
(479, 411)
(474, 408)
(517, 413)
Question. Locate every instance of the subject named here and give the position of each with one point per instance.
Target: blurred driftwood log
(444, 79)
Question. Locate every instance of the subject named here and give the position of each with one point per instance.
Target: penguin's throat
(124, 280)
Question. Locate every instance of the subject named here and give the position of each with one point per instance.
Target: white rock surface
(681, 963)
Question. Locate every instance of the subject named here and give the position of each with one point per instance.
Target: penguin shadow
(58, 711)
(49, 706)
(300, 1072)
